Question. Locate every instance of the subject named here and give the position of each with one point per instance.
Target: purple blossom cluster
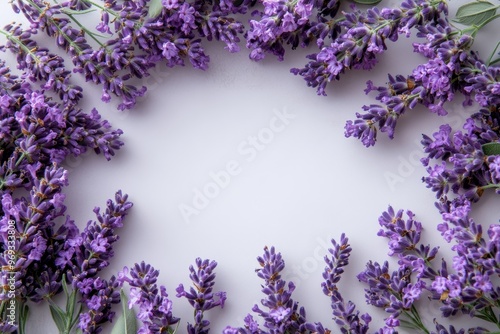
(200, 295)
(397, 291)
(155, 308)
(452, 69)
(40, 244)
(466, 288)
(345, 314)
(431, 84)
(98, 297)
(131, 38)
(280, 313)
(296, 23)
(471, 286)
(464, 164)
(362, 37)
(42, 249)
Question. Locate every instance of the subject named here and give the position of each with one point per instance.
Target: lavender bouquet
(45, 254)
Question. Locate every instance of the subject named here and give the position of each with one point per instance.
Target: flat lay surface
(223, 162)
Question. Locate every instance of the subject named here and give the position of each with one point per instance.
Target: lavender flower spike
(155, 309)
(344, 313)
(282, 313)
(200, 296)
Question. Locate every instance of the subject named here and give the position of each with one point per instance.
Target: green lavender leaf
(58, 316)
(491, 148)
(77, 12)
(127, 322)
(475, 13)
(367, 2)
(23, 318)
(70, 297)
(155, 7)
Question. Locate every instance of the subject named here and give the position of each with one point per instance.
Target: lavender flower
(469, 289)
(87, 253)
(38, 133)
(41, 65)
(281, 314)
(99, 304)
(431, 84)
(364, 38)
(200, 296)
(289, 22)
(344, 314)
(465, 167)
(136, 39)
(155, 308)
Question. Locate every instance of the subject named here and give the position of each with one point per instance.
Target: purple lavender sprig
(345, 314)
(36, 129)
(132, 38)
(397, 291)
(39, 65)
(200, 295)
(452, 69)
(431, 84)
(53, 20)
(281, 314)
(81, 257)
(85, 254)
(99, 304)
(155, 308)
(296, 23)
(471, 287)
(467, 289)
(363, 39)
(462, 162)
(37, 134)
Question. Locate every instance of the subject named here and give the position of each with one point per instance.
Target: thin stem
(489, 62)
(110, 11)
(491, 185)
(415, 320)
(488, 311)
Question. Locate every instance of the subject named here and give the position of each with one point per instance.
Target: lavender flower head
(155, 308)
(281, 313)
(345, 314)
(200, 295)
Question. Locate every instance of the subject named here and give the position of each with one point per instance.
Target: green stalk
(487, 314)
(22, 312)
(415, 321)
(489, 62)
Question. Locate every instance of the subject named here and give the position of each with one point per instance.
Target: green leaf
(491, 148)
(127, 322)
(367, 2)
(23, 318)
(77, 12)
(155, 8)
(58, 316)
(475, 13)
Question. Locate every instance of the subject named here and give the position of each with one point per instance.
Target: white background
(308, 184)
